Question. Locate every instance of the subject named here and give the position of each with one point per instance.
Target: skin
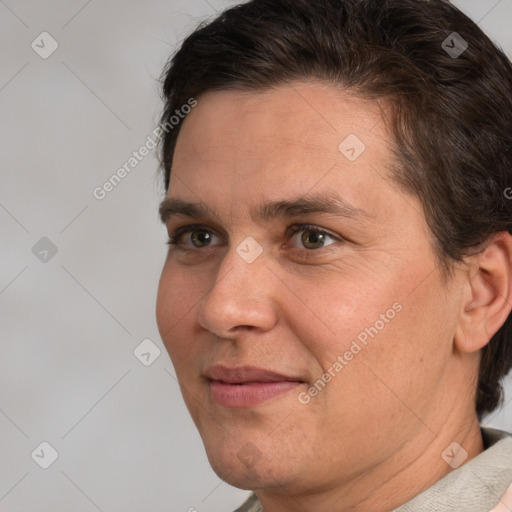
(373, 437)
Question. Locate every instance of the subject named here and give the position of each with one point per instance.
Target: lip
(247, 386)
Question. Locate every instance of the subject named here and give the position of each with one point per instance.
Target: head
(352, 160)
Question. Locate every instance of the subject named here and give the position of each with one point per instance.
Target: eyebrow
(268, 211)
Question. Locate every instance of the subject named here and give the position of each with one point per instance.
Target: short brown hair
(450, 111)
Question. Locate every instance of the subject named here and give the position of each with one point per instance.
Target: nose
(241, 298)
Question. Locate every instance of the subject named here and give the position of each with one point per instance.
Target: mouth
(247, 386)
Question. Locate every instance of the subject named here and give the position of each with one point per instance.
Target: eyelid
(296, 228)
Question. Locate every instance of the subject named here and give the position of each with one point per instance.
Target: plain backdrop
(78, 275)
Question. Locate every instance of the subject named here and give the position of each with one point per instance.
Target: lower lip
(248, 395)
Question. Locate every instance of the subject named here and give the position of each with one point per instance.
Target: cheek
(329, 314)
(386, 332)
(398, 357)
(178, 294)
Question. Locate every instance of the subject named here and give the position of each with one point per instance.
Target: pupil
(312, 238)
(200, 237)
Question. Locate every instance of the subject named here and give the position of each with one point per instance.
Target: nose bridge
(241, 293)
(242, 268)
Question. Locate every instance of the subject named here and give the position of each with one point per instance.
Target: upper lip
(242, 374)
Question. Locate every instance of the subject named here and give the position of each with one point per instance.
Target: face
(301, 301)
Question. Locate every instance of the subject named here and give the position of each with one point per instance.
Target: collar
(476, 486)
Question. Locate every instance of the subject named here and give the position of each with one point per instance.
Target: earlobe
(488, 299)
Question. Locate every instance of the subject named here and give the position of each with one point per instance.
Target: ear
(487, 300)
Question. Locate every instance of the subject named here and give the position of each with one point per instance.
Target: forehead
(297, 118)
(297, 138)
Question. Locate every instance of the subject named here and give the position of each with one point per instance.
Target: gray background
(71, 322)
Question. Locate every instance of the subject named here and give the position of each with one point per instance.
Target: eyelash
(175, 237)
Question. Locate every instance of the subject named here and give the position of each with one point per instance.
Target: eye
(199, 237)
(311, 237)
(191, 237)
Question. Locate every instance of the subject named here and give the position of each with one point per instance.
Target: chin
(244, 479)
(243, 467)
